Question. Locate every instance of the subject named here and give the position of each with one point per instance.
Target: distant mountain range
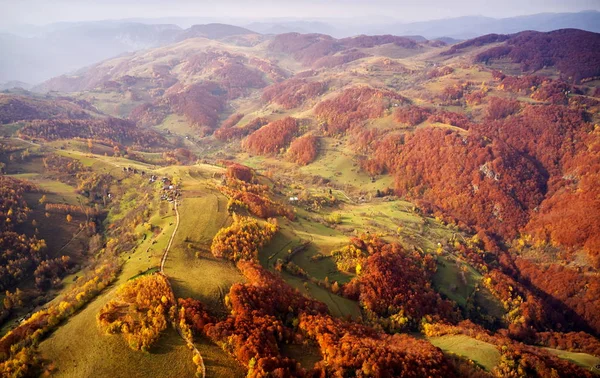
(63, 48)
(32, 54)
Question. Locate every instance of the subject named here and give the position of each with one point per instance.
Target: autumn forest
(236, 204)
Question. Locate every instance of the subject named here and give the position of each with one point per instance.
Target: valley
(298, 205)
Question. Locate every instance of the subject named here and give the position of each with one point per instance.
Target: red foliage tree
(304, 150)
(395, 286)
(499, 108)
(354, 106)
(270, 139)
(411, 115)
(293, 92)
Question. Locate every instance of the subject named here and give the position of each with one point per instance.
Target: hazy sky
(48, 11)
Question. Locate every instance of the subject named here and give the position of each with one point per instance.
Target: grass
(176, 124)
(584, 360)
(338, 306)
(79, 349)
(286, 239)
(484, 354)
(202, 213)
(56, 191)
(335, 162)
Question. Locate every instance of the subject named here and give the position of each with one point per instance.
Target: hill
(572, 52)
(213, 31)
(41, 57)
(304, 205)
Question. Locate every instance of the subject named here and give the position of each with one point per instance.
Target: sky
(41, 12)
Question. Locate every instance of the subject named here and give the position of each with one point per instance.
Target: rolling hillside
(299, 205)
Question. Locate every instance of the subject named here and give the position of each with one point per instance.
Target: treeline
(106, 130)
(64, 208)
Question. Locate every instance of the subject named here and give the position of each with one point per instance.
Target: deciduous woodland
(270, 139)
(299, 205)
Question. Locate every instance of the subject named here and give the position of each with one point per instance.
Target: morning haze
(299, 189)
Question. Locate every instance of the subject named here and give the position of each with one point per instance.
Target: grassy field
(582, 359)
(335, 162)
(484, 354)
(176, 124)
(202, 213)
(79, 349)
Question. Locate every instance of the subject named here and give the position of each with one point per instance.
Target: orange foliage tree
(354, 106)
(304, 150)
(270, 139)
(140, 312)
(242, 240)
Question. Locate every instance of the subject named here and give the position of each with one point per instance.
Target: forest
(272, 138)
(109, 131)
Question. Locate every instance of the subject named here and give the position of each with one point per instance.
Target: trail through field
(164, 258)
(188, 341)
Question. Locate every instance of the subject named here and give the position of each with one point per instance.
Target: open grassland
(192, 269)
(585, 360)
(484, 354)
(176, 124)
(80, 349)
(335, 163)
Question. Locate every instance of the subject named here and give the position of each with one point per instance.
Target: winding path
(188, 341)
(164, 257)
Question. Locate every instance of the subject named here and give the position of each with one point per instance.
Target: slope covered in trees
(107, 130)
(354, 106)
(15, 108)
(272, 138)
(573, 52)
(293, 92)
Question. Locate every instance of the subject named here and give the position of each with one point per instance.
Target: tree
(43, 199)
(69, 218)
